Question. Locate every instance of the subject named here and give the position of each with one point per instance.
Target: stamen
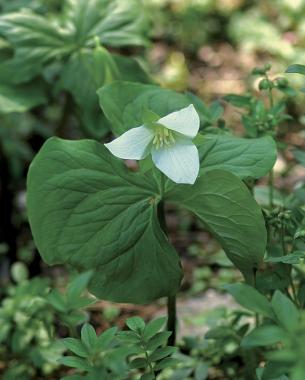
(163, 137)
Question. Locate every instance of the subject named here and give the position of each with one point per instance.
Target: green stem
(172, 319)
(152, 372)
(254, 285)
(271, 188)
(171, 300)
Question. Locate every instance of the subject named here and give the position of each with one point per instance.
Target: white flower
(169, 140)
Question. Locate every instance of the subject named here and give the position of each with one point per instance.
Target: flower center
(163, 137)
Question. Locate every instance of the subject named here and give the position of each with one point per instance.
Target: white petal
(133, 144)
(179, 162)
(185, 121)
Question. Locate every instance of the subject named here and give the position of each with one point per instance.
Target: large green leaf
(86, 209)
(225, 206)
(20, 98)
(243, 157)
(125, 103)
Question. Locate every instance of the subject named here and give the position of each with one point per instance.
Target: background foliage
(60, 63)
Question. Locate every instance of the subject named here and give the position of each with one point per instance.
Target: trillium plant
(168, 140)
(88, 210)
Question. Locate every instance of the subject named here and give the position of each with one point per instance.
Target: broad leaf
(242, 157)
(225, 206)
(21, 98)
(285, 311)
(99, 216)
(251, 299)
(264, 336)
(125, 104)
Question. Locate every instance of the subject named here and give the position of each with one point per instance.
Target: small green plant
(28, 342)
(114, 355)
(70, 305)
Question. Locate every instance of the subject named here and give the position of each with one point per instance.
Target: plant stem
(271, 188)
(171, 300)
(149, 364)
(172, 319)
(254, 285)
